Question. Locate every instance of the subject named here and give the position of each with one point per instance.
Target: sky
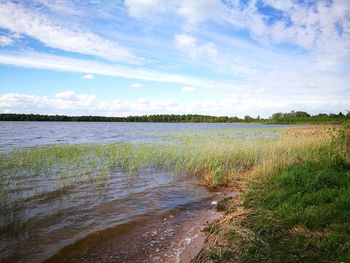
(138, 57)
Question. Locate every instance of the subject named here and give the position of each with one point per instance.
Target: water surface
(15, 135)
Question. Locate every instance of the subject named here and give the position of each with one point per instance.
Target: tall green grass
(304, 212)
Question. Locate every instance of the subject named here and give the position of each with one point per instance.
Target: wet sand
(174, 236)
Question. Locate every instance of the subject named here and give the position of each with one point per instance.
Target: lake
(139, 215)
(15, 135)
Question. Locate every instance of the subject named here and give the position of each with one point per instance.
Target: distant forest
(297, 117)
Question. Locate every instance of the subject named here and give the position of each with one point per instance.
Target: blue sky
(136, 57)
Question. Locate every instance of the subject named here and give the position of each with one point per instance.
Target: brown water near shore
(174, 236)
(130, 218)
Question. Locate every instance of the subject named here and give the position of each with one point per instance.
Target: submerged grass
(296, 210)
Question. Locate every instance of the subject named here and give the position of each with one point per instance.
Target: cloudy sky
(217, 57)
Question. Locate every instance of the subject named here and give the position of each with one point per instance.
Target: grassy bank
(297, 210)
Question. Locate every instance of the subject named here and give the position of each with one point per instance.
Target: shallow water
(162, 236)
(50, 222)
(112, 218)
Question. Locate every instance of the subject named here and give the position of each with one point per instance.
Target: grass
(295, 211)
(304, 212)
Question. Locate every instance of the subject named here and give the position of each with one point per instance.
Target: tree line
(279, 117)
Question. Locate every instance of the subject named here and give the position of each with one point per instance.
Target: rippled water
(55, 220)
(119, 206)
(28, 134)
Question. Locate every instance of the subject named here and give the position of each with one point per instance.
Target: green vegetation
(300, 117)
(291, 117)
(304, 213)
(296, 212)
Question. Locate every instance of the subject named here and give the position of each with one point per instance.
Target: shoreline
(176, 236)
(296, 211)
(194, 248)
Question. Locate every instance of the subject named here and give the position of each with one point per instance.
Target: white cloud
(64, 101)
(208, 54)
(191, 46)
(43, 61)
(193, 12)
(186, 40)
(188, 89)
(21, 20)
(280, 4)
(311, 26)
(234, 104)
(321, 28)
(200, 10)
(65, 95)
(59, 6)
(136, 85)
(257, 77)
(315, 25)
(147, 8)
(5, 41)
(87, 76)
(277, 90)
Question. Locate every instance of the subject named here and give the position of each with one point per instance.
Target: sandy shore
(193, 248)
